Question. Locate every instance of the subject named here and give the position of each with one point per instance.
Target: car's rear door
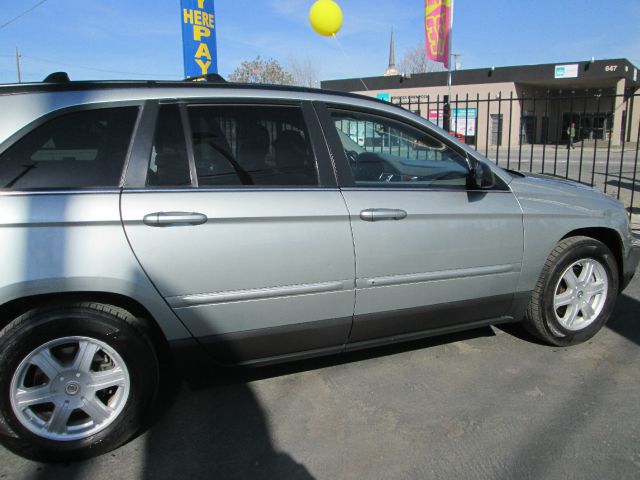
(242, 228)
(430, 253)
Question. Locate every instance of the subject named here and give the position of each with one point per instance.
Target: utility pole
(455, 60)
(18, 65)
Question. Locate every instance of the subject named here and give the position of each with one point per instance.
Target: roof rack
(60, 81)
(210, 78)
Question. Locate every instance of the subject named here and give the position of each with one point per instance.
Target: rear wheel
(75, 380)
(575, 293)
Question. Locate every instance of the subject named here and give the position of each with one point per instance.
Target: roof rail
(57, 77)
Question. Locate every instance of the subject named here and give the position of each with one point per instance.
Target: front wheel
(75, 381)
(575, 294)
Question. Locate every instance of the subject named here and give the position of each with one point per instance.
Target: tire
(99, 376)
(565, 308)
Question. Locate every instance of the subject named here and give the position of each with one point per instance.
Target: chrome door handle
(376, 214)
(170, 219)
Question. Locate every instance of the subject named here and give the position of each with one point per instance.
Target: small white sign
(567, 71)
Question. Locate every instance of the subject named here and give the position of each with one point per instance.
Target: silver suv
(257, 225)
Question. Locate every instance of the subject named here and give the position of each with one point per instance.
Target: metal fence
(592, 138)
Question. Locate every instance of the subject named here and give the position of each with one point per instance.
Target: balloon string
(348, 59)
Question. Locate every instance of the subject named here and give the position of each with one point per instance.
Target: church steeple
(391, 69)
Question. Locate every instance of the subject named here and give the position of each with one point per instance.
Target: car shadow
(215, 427)
(518, 331)
(625, 318)
(215, 432)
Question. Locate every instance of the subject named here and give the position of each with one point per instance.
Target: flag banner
(198, 37)
(437, 29)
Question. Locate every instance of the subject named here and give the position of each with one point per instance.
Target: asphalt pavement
(489, 403)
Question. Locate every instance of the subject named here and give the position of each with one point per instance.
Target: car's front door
(431, 253)
(243, 230)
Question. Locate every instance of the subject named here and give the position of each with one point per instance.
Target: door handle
(377, 214)
(171, 219)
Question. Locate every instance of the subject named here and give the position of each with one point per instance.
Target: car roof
(67, 86)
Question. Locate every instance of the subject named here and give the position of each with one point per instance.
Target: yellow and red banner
(437, 28)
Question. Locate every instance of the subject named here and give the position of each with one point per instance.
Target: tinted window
(77, 150)
(251, 145)
(169, 163)
(384, 152)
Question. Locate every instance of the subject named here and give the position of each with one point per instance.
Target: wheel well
(17, 307)
(607, 236)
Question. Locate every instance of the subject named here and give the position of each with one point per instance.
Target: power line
(22, 14)
(102, 70)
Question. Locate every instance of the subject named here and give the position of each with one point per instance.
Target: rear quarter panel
(73, 242)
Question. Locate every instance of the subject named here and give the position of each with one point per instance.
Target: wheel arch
(14, 308)
(609, 237)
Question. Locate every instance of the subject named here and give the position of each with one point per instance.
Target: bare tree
(304, 70)
(415, 60)
(261, 71)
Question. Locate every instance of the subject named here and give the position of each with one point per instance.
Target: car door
(431, 253)
(239, 223)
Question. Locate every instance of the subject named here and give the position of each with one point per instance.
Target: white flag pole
(450, 40)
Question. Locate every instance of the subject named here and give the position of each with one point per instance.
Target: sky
(141, 39)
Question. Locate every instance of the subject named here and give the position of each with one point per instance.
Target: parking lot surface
(490, 403)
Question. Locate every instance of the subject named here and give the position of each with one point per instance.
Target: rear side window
(244, 145)
(84, 149)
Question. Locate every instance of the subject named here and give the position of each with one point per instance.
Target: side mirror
(481, 177)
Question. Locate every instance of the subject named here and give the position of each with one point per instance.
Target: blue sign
(198, 37)
(383, 96)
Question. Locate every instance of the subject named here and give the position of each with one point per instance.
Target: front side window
(85, 149)
(246, 145)
(384, 152)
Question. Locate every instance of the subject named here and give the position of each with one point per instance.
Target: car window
(169, 163)
(384, 152)
(77, 150)
(245, 145)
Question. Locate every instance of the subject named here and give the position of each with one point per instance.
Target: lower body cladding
(333, 335)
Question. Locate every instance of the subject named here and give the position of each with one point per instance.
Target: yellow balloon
(326, 17)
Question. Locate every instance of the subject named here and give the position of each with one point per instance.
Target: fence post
(614, 99)
(595, 140)
(510, 124)
(635, 169)
(486, 147)
(446, 114)
(584, 116)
